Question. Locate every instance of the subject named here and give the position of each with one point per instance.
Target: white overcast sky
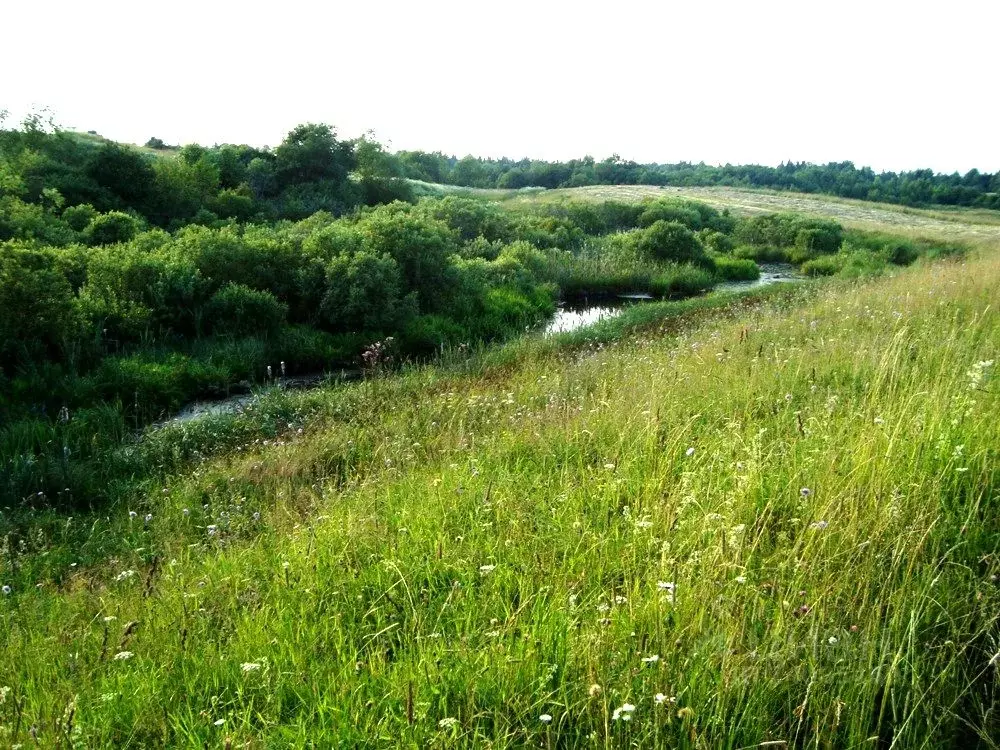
(894, 85)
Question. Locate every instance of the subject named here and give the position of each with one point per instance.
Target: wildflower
(186, 512)
(486, 569)
(609, 467)
(665, 586)
(879, 420)
(832, 640)
(805, 492)
(124, 575)
(149, 517)
(256, 516)
(269, 372)
(819, 525)
(123, 656)
(689, 451)
(741, 579)
(110, 618)
(250, 666)
(660, 698)
(595, 690)
(282, 368)
(545, 718)
(448, 722)
(643, 524)
(212, 529)
(132, 515)
(652, 659)
(623, 712)
(220, 722)
(6, 590)
(619, 599)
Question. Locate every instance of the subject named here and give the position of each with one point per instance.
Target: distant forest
(921, 187)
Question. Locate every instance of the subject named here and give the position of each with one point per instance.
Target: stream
(568, 317)
(580, 313)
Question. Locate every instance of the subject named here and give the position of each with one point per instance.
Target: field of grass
(939, 223)
(770, 524)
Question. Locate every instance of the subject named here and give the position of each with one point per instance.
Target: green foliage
(420, 246)
(123, 174)
(111, 228)
(311, 153)
(670, 241)
(241, 311)
(736, 269)
(670, 211)
(810, 236)
(38, 319)
(365, 292)
(78, 217)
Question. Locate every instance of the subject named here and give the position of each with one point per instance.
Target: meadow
(764, 521)
(721, 519)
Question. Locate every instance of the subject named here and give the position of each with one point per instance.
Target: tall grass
(774, 524)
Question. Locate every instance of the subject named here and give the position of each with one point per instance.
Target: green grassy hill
(759, 523)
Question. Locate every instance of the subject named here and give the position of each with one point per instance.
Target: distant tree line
(921, 187)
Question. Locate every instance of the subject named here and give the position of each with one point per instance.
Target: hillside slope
(777, 525)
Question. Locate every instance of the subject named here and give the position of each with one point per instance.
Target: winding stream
(569, 317)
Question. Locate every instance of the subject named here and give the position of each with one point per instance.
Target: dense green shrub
(239, 310)
(736, 269)
(670, 241)
(664, 211)
(111, 228)
(828, 265)
(38, 317)
(78, 217)
(365, 292)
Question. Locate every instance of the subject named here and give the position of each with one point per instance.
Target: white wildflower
(545, 718)
(219, 722)
(124, 575)
(448, 722)
(651, 659)
(486, 569)
(741, 579)
(250, 666)
(689, 451)
(832, 640)
(123, 655)
(819, 525)
(623, 712)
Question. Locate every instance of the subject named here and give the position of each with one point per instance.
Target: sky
(892, 85)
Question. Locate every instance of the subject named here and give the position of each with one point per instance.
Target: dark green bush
(111, 228)
(78, 217)
(239, 310)
(670, 241)
(736, 269)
